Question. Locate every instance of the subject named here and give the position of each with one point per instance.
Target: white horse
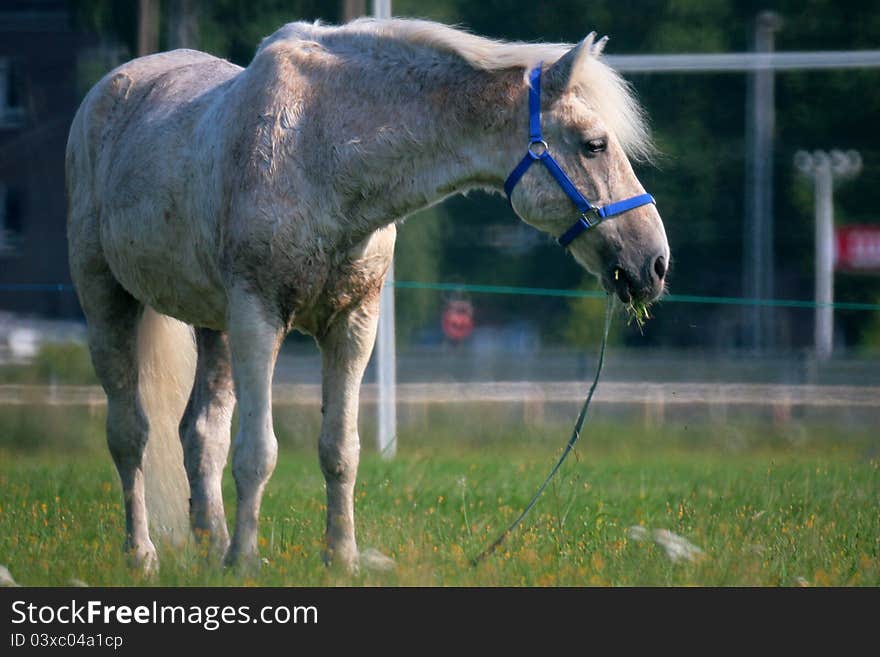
(250, 202)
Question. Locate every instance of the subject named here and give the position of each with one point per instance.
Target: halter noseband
(538, 151)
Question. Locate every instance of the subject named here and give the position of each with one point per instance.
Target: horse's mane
(611, 95)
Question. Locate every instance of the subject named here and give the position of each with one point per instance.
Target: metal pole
(745, 62)
(386, 359)
(824, 315)
(382, 8)
(758, 244)
(824, 167)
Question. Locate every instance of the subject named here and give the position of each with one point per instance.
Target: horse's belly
(168, 272)
(190, 301)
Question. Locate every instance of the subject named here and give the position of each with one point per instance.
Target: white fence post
(386, 357)
(387, 370)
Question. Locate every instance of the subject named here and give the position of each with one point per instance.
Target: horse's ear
(560, 75)
(599, 45)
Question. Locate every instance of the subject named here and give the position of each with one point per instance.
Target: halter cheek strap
(539, 151)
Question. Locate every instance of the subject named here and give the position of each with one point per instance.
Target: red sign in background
(857, 248)
(458, 320)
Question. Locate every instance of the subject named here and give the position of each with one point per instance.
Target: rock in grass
(6, 577)
(676, 547)
(637, 533)
(77, 583)
(372, 559)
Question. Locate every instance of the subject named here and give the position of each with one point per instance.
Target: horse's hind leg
(204, 432)
(113, 316)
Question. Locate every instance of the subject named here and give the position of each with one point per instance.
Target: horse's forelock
(615, 101)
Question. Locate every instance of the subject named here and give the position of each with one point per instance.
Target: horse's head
(590, 123)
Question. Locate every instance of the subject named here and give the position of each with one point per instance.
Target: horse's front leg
(254, 339)
(345, 351)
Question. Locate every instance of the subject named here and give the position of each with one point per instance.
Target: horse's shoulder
(290, 58)
(289, 34)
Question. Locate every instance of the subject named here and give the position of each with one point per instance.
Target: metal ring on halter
(541, 144)
(594, 213)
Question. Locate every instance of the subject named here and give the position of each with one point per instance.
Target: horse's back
(136, 144)
(117, 99)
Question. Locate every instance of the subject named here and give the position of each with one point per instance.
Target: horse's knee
(196, 435)
(254, 459)
(115, 362)
(194, 439)
(186, 427)
(127, 431)
(204, 433)
(208, 413)
(339, 458)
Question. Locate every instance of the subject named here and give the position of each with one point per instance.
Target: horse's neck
(459, 133)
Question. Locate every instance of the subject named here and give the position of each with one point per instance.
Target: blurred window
(10, 219)
(11, 109)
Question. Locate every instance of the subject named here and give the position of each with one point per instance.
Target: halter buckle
(594, 213)
(537, 149)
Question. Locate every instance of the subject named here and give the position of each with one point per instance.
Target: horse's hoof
(342, 559)
(213, 547)
(244, 564)
(373, 560)
(6, 577)
(209, 531)
(143, 557)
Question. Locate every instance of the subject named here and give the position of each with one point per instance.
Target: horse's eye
(596, 145)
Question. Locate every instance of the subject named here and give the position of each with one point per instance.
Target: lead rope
(578, 425)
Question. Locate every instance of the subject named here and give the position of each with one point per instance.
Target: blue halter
(538, 151)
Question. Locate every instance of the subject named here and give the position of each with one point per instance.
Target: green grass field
(768, 506)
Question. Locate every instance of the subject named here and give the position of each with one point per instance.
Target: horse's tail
(166, 369)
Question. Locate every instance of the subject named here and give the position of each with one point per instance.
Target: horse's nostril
(660, 267)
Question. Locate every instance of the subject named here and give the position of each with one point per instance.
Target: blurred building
(38, 97)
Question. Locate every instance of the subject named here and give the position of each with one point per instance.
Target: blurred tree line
(699, 124)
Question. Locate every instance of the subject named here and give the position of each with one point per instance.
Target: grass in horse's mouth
(637, 311)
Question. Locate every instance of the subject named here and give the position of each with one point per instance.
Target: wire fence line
(540, 291)
(597, 294)
(612, 392)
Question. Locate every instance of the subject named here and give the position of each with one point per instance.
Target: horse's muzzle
(644, 286)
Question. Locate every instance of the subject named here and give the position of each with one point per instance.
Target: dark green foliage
(233, 28)
(699, 122)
